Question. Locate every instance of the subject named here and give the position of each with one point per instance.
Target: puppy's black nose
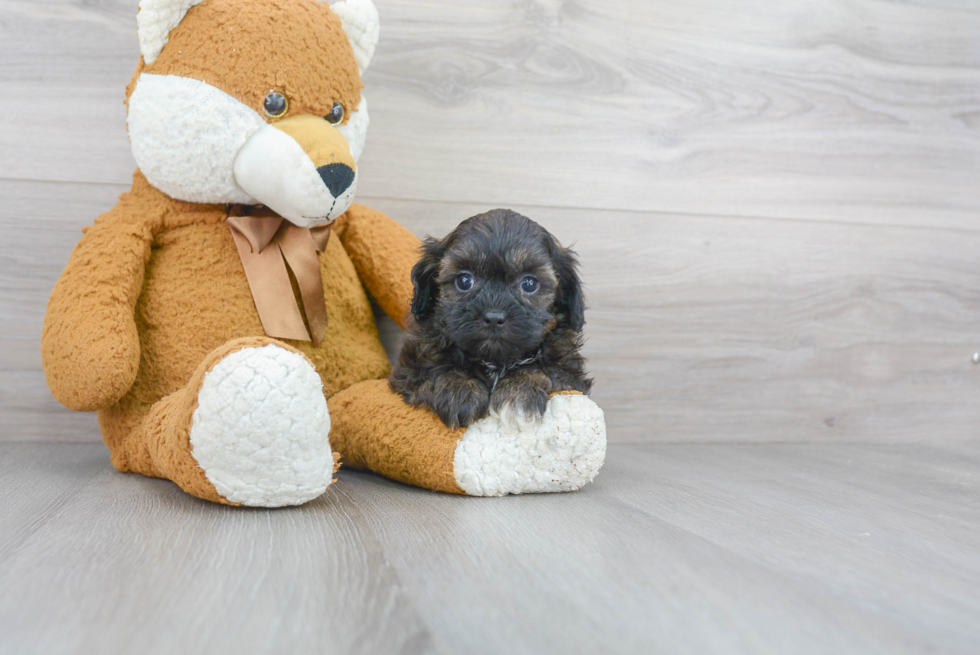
(337, 177)
(494, 318)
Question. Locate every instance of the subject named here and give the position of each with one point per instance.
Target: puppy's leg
(521, 398)
(374, 428)
(455, 397)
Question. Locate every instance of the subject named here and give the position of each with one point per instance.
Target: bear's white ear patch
(155, 19)
(360, 21)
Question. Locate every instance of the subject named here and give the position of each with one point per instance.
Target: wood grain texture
(693, 548)
(708, 326)
(28, 499)
(127, 564)
(699, 328)
(845, 110)
(777, 210)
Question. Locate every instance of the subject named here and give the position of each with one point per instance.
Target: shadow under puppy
(496, 324)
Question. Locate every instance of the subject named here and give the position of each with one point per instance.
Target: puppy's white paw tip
(563, 451)
(512, 418)
(261, 428)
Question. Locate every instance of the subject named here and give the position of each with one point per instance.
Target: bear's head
(253, 102)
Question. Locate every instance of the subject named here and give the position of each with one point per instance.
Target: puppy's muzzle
(301, 167)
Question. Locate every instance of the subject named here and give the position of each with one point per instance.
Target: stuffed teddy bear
(218, 317)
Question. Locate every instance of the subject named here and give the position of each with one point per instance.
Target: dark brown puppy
(496, 323)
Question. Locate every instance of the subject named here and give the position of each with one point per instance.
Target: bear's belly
(196, 297)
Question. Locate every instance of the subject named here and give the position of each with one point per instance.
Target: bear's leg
(373, 428)
(250, 428)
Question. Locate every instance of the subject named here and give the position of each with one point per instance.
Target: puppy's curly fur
(496, 322)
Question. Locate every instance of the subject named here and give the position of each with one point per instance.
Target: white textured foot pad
(260, 430)
(562, 452)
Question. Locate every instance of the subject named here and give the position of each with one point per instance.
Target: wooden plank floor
(676, 548)
(776, 207)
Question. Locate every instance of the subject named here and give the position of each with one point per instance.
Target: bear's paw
(261, 428)
(563, 451)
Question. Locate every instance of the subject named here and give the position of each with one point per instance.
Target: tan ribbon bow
(266, 242)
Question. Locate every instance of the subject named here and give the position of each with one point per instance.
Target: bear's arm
(383, 253)
(90, 348)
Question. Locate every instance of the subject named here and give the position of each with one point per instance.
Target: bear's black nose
(494, 318)
(337, 177)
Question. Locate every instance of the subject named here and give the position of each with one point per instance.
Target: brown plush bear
(212, 312)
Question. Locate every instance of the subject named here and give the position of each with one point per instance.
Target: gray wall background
(777, 204)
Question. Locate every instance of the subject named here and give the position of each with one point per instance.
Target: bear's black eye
(336, 114)
(275, 104)
(529, 284)
(464, 281)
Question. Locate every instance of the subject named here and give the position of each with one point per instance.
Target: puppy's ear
(424, 275)
(569, 300)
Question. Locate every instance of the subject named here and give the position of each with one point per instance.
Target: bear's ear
(155, 19)
(360, 21)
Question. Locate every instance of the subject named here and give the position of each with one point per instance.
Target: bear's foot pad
(261, 429)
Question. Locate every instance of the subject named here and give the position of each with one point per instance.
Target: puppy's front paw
(520, 401)
(460, 401)
(463, 414)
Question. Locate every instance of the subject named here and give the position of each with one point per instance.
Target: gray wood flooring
(676, 548)
(777, 208)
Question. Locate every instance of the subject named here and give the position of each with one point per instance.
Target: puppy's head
(497, 285)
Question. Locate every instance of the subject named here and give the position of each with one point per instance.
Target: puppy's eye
(464, 281)
(529, 284)
(336, 114)
(275, 104)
